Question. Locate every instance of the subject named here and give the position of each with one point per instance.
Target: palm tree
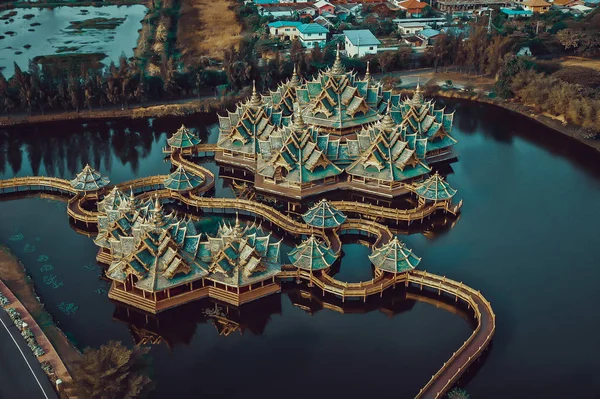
(113, 372)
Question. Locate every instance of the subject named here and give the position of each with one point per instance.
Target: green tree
(113, 372)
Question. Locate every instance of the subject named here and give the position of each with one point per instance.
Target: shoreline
(16, 285)
(568, 130)
(207, 105)
(175, 108)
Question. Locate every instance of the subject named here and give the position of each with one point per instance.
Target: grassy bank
(14, 276)
(152, 111)
(206, 28)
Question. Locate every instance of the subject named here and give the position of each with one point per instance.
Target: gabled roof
(510, 11)
(312, 254)
(322, 3)
(312, 28)
(281, 24)
(181, 180)
(413, 24)
(394, 257)
(361, 37)
(324, 215)
(435, 188)
(89, 180)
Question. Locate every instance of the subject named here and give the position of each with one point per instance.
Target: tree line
(59, 87)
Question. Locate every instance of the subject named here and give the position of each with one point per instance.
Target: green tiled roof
(181, 180)
(324, 215)
(312, 254)
(89, 180)
(183, 138)
(394, 257)
(435, 188)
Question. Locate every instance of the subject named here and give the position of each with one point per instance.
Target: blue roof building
(512, 13)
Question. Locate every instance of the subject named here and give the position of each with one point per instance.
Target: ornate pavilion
(157, 260)
(336, 131)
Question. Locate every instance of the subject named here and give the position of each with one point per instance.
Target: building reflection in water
(178, 326)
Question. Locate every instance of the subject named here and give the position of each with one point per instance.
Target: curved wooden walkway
(440, 382)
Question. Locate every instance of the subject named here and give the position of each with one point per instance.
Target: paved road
(21, 375)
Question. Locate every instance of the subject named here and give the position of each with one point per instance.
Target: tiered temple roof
(163, 251)
(89, 180)
(182, 180)
(183, 138)
(435, 188)
(312, 254)
(385, 155)
(252, 120)
(283, 98)
(337, 100)
(394, 257)
(115, 199)
(420, 118)
(292, 152)
(324, 215)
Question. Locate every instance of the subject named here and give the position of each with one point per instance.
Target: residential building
(466, 7)
(512, 13)
(537, 6)
(360, 42)
(323, 6)
(312, 35)
(324, 22)
(414, 41)
(413, 8)
(286, 10)
(286, 30)
(429, 35)
(410, 28)
(342, 11)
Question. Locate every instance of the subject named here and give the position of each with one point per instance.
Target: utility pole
(537, 28)
(489, 28)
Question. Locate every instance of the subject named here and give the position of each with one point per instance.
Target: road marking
(24, 358)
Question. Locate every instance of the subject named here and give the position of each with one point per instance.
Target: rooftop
(536, 3)
(312, 28)
(510, 11)
(412, 5)
(361, 37)
(429, 33)
(280, 24)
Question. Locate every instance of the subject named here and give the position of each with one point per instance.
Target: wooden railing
(472, 348)
(406, 215)
(38, 183)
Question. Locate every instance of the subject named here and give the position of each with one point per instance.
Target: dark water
(527, 238)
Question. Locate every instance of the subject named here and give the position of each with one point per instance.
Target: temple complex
(336, 131)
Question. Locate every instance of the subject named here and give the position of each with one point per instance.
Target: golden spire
(338, 67)
(295, 80)
(418, 96)
(255, 99)
(298, 124)
(368, 72)
(387, 123)
(131, 195)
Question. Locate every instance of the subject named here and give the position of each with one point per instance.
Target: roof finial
(295, 80)
(387, 123)
(255, 99)
(338, 67)
(418, 96)
(131, 195)
(157, 204)
(368, 71)
(298, 124)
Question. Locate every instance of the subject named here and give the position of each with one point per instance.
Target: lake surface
(48, 31)
(527, 238)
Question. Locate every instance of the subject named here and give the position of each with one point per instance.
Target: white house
(312, 35)
(410, 28)
(286, 30)
(286, 11)
(360, 42)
